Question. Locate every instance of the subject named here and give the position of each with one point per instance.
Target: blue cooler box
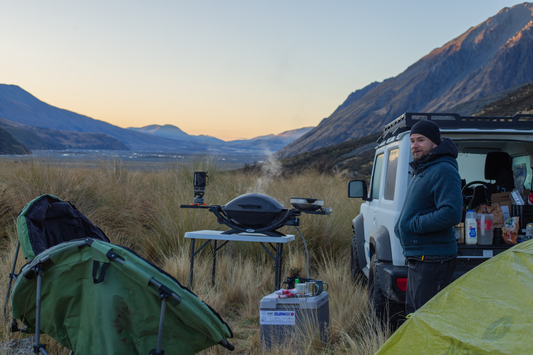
(285, 320)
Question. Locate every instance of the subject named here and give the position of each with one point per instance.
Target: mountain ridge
(10, 146)
(18, 105)
(35, 138)
(354, 158)
(491, 57)
(171, 131)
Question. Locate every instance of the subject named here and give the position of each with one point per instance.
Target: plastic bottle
(484, 227)
(470, 228)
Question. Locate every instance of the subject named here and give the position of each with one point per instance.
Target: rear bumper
(469, 257)
(388, 274)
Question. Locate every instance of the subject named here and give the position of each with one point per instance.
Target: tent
(95, 297)
(486, 311)
(100, 298)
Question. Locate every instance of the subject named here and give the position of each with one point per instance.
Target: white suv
(487, 146)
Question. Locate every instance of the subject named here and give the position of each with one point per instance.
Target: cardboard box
(505, 202)
(503, 199)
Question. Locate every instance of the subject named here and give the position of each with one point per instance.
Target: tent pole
(11, 276)
(37, 347)
(161, 324)
(163, 295)
(38, 314)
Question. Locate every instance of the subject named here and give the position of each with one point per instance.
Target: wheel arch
(359, 233)
(379, 244)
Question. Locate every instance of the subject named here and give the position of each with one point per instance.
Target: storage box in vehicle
(286, 321)
(503, 199)
(526, 216)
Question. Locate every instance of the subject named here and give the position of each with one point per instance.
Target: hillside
(520, 101)
(19, 106)
(173, 132)
(268, 143)
(272, 142)
(354, 157)
(487, 59)
(9, 145)
(52, 139)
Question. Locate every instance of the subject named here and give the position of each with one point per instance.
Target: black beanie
(428, 129)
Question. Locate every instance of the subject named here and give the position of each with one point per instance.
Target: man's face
(420, 146)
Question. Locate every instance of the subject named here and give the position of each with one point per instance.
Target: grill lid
(254, 210)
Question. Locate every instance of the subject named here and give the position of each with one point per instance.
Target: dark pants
(426, 278)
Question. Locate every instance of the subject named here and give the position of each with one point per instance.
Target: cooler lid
(272, 301)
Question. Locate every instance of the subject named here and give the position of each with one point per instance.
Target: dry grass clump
(241, 283)
(141, 210)
(110, 196)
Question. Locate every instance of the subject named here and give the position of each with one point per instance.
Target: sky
(228, 69)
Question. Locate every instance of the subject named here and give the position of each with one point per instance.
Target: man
(432, 207)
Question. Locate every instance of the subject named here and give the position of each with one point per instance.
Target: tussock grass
(141, 210)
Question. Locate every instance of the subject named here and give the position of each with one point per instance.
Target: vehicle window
(472, 167)
(390, 177)
(524, 160)
(376, 176)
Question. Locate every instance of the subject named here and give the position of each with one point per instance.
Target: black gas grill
(258, 213)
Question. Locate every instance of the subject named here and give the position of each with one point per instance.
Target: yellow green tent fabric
(489, 310)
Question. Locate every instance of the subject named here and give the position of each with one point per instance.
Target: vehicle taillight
(401, 282)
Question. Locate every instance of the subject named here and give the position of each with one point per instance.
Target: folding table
(215, 236)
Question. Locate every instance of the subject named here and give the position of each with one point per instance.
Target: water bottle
(470, 228)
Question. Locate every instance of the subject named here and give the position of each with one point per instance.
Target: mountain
(519, 101)
(354, 157)
(473, 107)
(167, 130)
(271, 142)
(173, 132)
(42, 126)
(267, 143)
(489, 58)
(9, 145)
(282, 138)
(19, 106)
(292, 134)
(36, 138)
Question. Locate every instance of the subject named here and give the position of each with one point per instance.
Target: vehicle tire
(355, 269)
(388, 312)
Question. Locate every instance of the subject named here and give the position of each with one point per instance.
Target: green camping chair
(44, 222)
(94, 297)
(47, 221)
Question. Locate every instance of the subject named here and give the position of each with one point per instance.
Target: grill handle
(250, 206)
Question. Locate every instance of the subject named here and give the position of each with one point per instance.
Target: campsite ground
(140, 209)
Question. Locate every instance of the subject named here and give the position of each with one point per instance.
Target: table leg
(214, 263)
(192, 264)
(279, 264)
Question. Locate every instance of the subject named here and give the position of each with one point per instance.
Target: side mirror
(358, 189)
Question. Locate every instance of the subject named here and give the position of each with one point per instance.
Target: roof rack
(456, 121)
